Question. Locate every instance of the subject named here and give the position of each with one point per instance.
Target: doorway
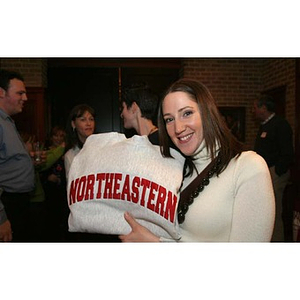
(96, 87)
(99, 84)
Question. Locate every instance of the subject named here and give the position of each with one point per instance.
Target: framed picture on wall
(235, 120)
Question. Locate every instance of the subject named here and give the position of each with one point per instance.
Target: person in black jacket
(274, 142)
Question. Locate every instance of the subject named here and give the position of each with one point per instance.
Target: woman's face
(58, 138)
(183, 122)
(85, 125)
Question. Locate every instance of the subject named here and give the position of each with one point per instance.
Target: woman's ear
(73, 125)
(135, 108)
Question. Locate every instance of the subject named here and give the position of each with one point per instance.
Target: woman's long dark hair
(215, 131)
(72, 135)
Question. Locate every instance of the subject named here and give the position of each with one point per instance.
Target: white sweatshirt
(68, 159)
(112, 174)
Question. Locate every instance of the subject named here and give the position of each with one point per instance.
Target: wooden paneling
(100, 87)
(97, 87)
(297, 118)
(33, 117)
(174, 63)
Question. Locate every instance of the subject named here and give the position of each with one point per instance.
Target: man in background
(274, 142)
(139, 110)
(17, 169)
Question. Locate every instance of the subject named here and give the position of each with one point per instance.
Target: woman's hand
(54, 178)
(139, 233)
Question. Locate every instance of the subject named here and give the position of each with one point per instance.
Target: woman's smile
(186, 138)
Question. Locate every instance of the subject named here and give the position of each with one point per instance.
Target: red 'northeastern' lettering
(161, 198)
(100, 178)
(145, 184)
(73, 191)
(151, 197)
(108, 185)
(126, 189)
(170, 207)
(81, 188)
(118, 186)
(135, 189)
(89, 194)
(118, 178)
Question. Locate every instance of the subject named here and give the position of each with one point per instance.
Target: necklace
(154, 128)
(193, 190)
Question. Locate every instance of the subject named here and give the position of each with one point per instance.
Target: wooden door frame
(297, 129)
(32, 120)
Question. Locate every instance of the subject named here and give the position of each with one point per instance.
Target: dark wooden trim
(115, 62)
(297, 120)
(33, 118)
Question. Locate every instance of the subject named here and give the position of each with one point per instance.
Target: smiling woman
(234, 200)
(81, 124)
(183, 122)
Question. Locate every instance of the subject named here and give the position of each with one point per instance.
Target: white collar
(268, 119)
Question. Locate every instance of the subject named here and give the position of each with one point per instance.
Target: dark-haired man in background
(17, 169)
(274, 142)
(139, 111)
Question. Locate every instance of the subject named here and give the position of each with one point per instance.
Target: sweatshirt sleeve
(52, 156)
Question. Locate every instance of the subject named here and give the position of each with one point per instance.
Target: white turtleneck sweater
(237, 206)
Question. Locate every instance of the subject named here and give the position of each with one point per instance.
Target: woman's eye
(187, 113)
(168, 120)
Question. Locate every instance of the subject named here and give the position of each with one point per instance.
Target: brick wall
(237, 82)
(34, 70)
(233, 82)
(282, 72)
